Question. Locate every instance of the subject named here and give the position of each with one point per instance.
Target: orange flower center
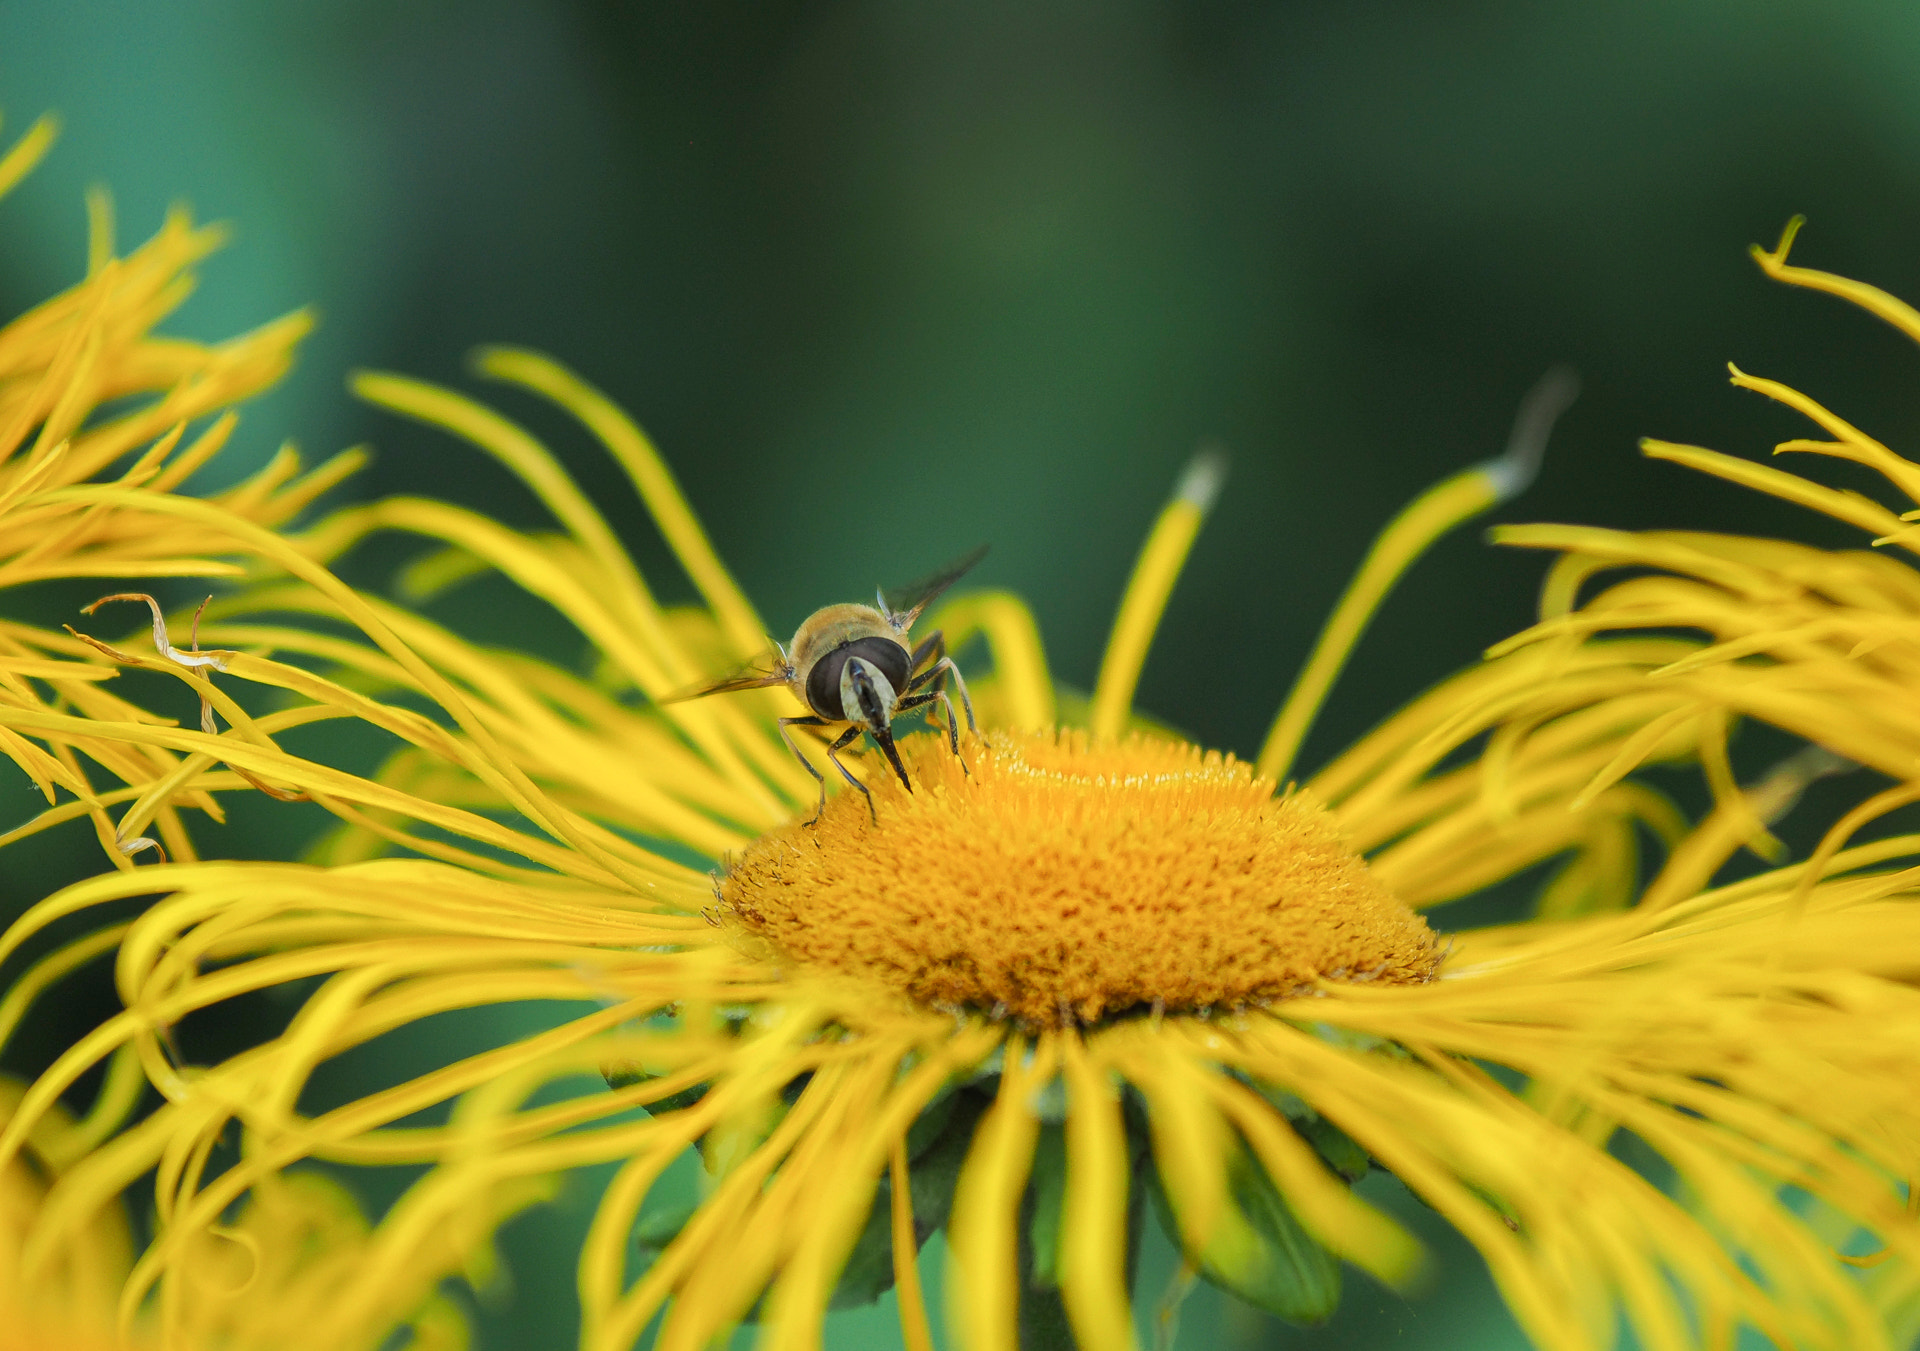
(1065, 882)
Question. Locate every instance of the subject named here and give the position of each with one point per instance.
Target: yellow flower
(266, 1281)
(87, 390)
(73, 1301)
(1071, 970)
(1823, 644)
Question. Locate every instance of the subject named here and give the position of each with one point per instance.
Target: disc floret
(1068, 881)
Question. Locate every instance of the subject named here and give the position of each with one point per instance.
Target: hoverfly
(850, 664)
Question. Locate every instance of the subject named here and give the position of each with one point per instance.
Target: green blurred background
(885, 281)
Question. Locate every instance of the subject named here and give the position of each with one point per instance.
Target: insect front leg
(808, 721)
(934, 649)
(847, 738)
(929, 697)
(938, 671)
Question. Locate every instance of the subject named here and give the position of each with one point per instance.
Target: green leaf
(626, 1076)
(659, 1226)
(1334, 1146)
(869, 1270)
(935, 1166)
(937, 1145)
(931, 1124)
(1048, 1183)
(1294, 1278)
(944, 1131)
(1272, 1262)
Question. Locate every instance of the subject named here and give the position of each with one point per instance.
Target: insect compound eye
(881, 655)
(866, 695)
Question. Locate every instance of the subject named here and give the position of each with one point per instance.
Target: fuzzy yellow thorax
(1065, 880)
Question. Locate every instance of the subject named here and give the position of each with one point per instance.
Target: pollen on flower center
(1064, 881)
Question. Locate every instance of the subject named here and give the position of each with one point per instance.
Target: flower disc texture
(1054, 881)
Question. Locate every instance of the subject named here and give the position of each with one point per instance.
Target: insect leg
(925, 699)
(945, 664)
(808, 721)
(847, 738)
(932, 648)
(919, 695)
(936, 696)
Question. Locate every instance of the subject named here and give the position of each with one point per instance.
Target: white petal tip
(1514, 470)
(1202, 479)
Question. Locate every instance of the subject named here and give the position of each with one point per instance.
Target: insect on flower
(851, 664)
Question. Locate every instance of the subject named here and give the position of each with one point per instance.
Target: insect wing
(906, 604)
(751, 678)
